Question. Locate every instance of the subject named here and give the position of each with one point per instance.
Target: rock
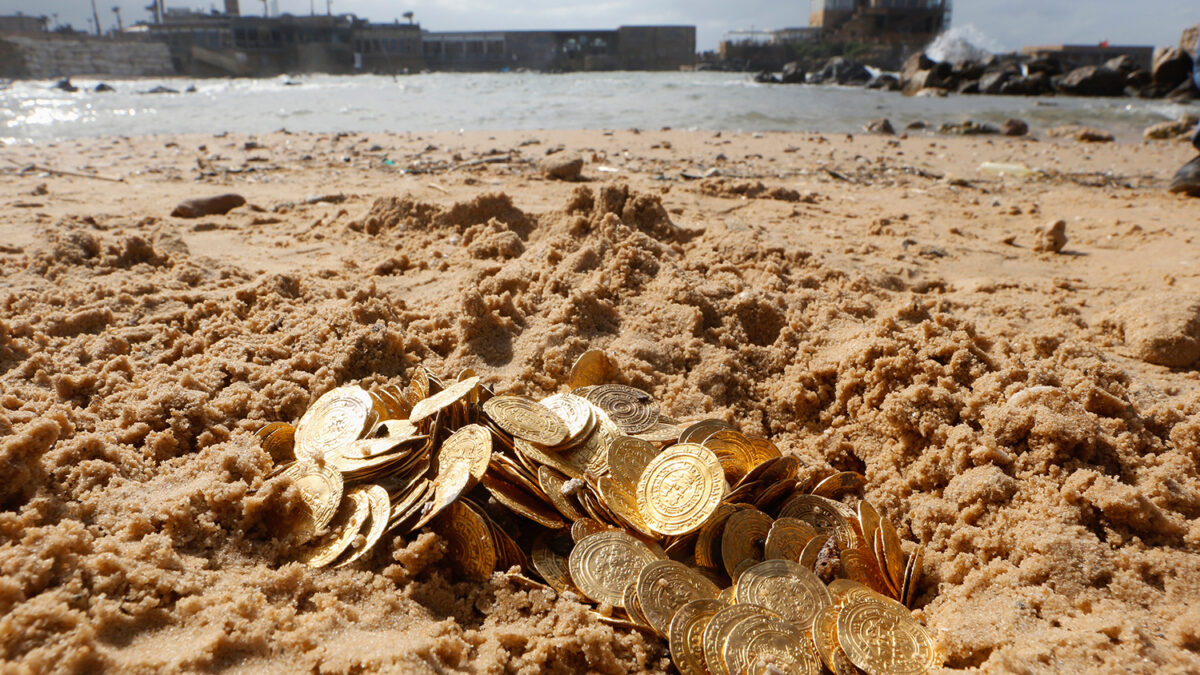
(1093, 81)
(968, 70)
(1185, 92)
(884, 81)
(916, 125)
(1187, 179)
(563, 168)
(880, 126)
(766, 77)
(793, 73)
(968, 87)
(1014, 127)
(915, 64)
(1138, 79)
(1046, 64)
(208, 206)
(845, 71)
(1092, 135)
(65, 85)
(992, 83)
(1163, 329)
(1165, 131)
(161, 90)
(1171, 67)
(103, 87)
(1123, 64)
(968, 128)
(1050, 237)
(1027, 85)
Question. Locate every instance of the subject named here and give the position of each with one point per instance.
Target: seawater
(34, 111)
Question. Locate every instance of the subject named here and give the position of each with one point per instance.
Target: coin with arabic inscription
(470, 547)
(526, 419)
(664, 586)
(602, 565)
(593, 367)
(336, 418)
(631, 409)
(766, 637)
(686, 635)
(320, 487)
(795, 593)
(349, 521)
(680, 489)
(882, 637)
(719, 627)
(824, 634)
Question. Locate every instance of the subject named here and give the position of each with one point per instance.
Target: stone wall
(58, 56)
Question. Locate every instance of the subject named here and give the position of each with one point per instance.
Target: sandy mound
(1057, 503)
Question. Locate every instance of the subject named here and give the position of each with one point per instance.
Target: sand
(876, 304)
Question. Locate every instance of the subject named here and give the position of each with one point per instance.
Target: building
(880, 22)
(626, 48)
(387, 47)
(1077, 56)
(19, 23)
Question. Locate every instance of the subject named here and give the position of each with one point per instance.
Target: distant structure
(626, 48)
(883, 32)
(19, 23)
(1077, 56)
(880, 22)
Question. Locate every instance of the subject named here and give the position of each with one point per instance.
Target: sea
(34, 111)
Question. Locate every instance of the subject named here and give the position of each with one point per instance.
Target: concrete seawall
(50, 57)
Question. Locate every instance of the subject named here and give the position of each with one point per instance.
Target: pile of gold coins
(691, 531)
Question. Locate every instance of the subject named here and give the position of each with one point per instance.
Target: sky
(1003, 24)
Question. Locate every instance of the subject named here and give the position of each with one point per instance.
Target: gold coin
(859, 565)
(663, 431)
(686, 635)
(773, 470)
(590, 454)
(585, 527)
(549, 458)
(526, 419)
(786, 539)
(718, 629)
(449, 483)
(698, 431)
(346, 525)
(786, 588)
(456, 392)
(680, 489)
(764, 637)
(912, 576)
(845, 481)
(336, 418)
(824, 633)
(268, 429)
(471, 444)
(602, 564)
(628, 457)
(845, 591)
(828, 516)
(593, 367)
(631, 409)
(521, 502)
(320, 487)
(278, 439)
(575, 413)
(877, 552)
(553, 484)
(708, 537)
(622, 503)
(549, 559)
(883, 637)
(409, 506)
(664, 586)
(728, 595)
(764, 450)
(774, 493)
(469, 544)
(744, 538)
(733, 450)
(868, 520)
(808, 556)
(380, 509)
(893, 560)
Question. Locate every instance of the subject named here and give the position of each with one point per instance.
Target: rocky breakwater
(1170, 76)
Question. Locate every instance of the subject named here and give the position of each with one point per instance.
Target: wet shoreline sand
(875, 305)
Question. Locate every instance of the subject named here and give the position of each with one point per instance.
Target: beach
(870, 303)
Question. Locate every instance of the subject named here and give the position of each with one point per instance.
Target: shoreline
(871, 303)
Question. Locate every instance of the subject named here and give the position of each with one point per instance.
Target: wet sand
(874, 305)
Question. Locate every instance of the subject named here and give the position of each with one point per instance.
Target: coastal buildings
(626, 48)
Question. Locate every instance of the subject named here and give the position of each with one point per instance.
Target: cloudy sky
(1007, 24)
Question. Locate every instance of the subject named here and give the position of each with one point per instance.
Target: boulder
(1187, 179)
(915, 64)
(160, 89)
(568, 167)
(880, 126)
(1014, 127)
(1165, 131)
(793, 73)
(993, 82)
(1171, 67)
(1163, 329)
(968, 70)
(969, 87)
(1185, 92)
(1093, 135)
(766, 77)
(103, 87)
(885, 82)
(1093, 81)
(208, 206)
(65, 85)
(968, 128)
(1027, 85)
(1051, 237)
(1045, 64)
(1138, 79)
(1123, 64)
(845, 71)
